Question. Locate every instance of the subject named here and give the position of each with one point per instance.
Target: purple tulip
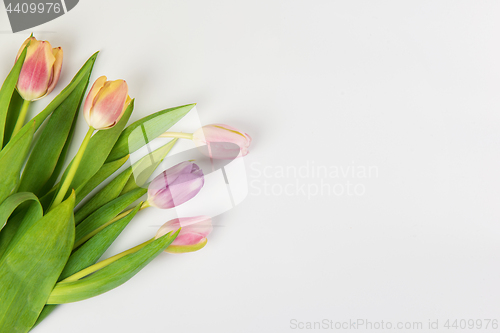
(176, 185)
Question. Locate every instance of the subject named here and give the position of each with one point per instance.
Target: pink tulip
(222, 141)
(106, 103)
(193, 234)
(41, 69)
(176, 185)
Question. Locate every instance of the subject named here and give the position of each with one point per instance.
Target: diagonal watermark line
(64, 6)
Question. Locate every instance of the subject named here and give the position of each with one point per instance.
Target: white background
(410, 87)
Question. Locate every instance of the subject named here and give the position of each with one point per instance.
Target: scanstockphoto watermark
(448, 325)
(311, 179)
(354, 324)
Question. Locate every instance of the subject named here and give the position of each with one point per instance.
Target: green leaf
(145, 167)
(111, 276)
(104, 172)
(10, 230)
(7, 90)
(90, 252)
(60, 162)
(12, 158)
(98, 149)
(39, 118)
(94, 248)
(14, 108)
(47, 309)
(30, 268)
(106, 213)
(27, 213)
(11, 203)
(47, 151)
(105, 195)
(46, 200)
(146, 129)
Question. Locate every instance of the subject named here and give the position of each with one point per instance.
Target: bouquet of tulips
(50, 250)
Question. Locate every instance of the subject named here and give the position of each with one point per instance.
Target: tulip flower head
(176, 185)
(193, 234)
(222, 141)
(41, 69)
(106, 103)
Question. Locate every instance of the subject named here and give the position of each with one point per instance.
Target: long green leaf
(146, 129)
(94, 248)
(60, 162)
(7, 90)
(106, 213)
(104, 173)
(47, 309)
(111, 276)
(27, 213)
(50, 144)
(105, 195)
(14, 109)
(46, 200)
(11, 203)
(29, 270)
(90, 252)
(12, 158)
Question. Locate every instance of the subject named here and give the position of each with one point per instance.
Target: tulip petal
(127, 102)
(24, 45)
(190, 238)
(184, 191)
(89, 101)
(162, 181)
(56, 69)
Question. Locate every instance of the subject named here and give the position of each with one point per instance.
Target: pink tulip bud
(41, 69)
(222, 141)
(106, 103)
(193, 234)
(176, 185)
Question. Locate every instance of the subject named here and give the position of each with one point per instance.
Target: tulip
(104, 106)
(41, 69)
(39, 74)
(223, 141)
(175, 186)
(193, 234)
(106, 103)
(217, 141)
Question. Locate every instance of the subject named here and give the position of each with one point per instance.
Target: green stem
(72, 170)
(104, 263)
(21, 118)
(177, 135)
(96, 231)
